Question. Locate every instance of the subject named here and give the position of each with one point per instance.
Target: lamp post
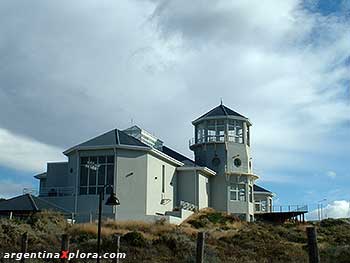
(111, 201)
(320, 209)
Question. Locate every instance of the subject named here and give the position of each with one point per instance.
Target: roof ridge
(32, 201)
(117, 136)
(223, 108)
(52, 204)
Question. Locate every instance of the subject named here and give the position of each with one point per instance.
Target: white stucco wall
(154, 186)
(131, 184)
(203, 191)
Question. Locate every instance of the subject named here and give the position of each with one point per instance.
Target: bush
(134, 239)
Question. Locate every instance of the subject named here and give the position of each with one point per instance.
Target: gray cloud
(71, 70)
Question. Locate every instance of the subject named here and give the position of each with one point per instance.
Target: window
(200, 133)
(237, 192)
(248, 135)
(250, 194)
(163, 178)
(239, 132)
(211, 131)
(237, 162)
(95, 173)
(220, 130)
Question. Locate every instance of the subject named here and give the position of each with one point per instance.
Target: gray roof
(28, 203)
(220, 111)
(113, 137)
(176, 155)
(260, 189)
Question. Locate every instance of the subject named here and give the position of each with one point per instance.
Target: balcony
(215, 139)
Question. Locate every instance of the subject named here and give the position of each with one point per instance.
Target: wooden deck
(281, 217)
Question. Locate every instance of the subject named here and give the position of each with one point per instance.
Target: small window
(237, 162)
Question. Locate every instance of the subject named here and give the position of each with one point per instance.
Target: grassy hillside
(228, 239)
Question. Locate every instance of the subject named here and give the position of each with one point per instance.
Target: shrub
(134, 239)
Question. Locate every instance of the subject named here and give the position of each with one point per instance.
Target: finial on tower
(221, 101)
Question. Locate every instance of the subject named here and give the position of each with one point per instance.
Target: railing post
(64, 246)
(314, 256)
(200, 247)
(117, 242)
(24, 245)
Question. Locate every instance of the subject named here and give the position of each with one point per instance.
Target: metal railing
(188, 206)
(290, 208)
(56, 191)
(216, 138)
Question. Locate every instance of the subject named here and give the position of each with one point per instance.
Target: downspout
(195, 189)
(76, 185)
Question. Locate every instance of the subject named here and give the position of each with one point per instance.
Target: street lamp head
(112, 200)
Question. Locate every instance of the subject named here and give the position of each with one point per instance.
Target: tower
(222, 142)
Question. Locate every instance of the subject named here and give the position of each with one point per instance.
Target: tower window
(237, 192)
(237, 162)
(250, 194)
(248, 135)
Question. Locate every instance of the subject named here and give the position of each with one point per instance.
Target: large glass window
(211, 131)
(235, 131)
(95, 173)
(237, 192)
(239, 132)
(220, 130)
(200, 133)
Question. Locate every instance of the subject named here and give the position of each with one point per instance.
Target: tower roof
(220, 111)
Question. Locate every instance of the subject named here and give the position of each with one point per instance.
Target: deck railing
(290, 208)
(215, 138)
(56, 191)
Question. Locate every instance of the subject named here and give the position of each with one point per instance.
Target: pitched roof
(257, 188)
(176, 155)
(220, 110)
(28, 203)
(113, 137)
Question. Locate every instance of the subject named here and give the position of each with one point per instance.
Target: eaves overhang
(203, 169)
(125, 147)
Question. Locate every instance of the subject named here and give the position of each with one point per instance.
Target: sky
(71, 70)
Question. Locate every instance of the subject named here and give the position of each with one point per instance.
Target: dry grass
(228, 239)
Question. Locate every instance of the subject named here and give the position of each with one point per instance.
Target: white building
(153, 181)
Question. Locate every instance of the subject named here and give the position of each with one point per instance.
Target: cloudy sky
(73, 69)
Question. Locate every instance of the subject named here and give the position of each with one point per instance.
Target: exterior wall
(158, 202)
(186, 187)
(57, 174)
(193, 187)
(218, 193)
(131, 184)
(203, 191)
